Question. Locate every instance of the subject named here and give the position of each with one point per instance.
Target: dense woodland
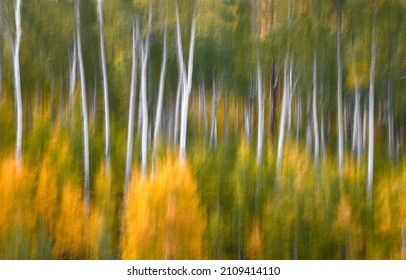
(207, 129)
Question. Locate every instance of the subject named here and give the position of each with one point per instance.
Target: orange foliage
(16, 204)
(75, 238)
(46, 197)
(163, 218)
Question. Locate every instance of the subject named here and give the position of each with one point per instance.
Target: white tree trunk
(357, 130)
(282, 125)
(390, 122)
(364, 126)
(260, 138)
(205, 118)
(105, 86)
(84, 109)
(177, 105)
(131, 114)
(315, 120)
(187, 82)
(247, 127)
(158, 114)
(371, 120)
(298, 117)
(72, 78)
(339, 96)
(17, 83)
(144, 101)
(214, 106)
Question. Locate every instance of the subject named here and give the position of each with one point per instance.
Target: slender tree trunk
(272, 102)
(205, 118)
(390, 122)
(315, 120)
(187, 82)
(199, 107)
(282, 125)
(105, 86)
(290, 97)
(144, 101)
(131, 113)
(371, 119)
(298, 118)
(177, 105)
(247, 125)
(357, 130)
(17, 82)
(72, 78)
(158, 114)
(260, 137)
(84, 109)
(214, 106)
(340, 140)
(309, 138)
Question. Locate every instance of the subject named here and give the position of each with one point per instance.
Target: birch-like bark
(357, 133)
(247, 127)
(158, 114)
(72, 78)
(371, 120)
(199, 107)
(144, 101)
(309, 138)
(390, 122)
(187, 82)
(205, 118)
(214, 106)
(364, 126)
(290, 97)
(84, 110)
(298, 117)
(131, 114)
(17, 82)
(105, 86)
(315, 120)
(272, 102)
(282, 125)
(177, 105)
(339, 95)
(260, 137)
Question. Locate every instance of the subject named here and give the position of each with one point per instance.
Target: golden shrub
(76, 236)
(163, 219)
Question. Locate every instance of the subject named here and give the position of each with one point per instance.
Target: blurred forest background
(207, 129)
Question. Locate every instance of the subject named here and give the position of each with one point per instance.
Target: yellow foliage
(76, 238)
(46, 197)
(163, 218)
(343, 214)
(255, 242)
(296, 168)
(16, 204)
